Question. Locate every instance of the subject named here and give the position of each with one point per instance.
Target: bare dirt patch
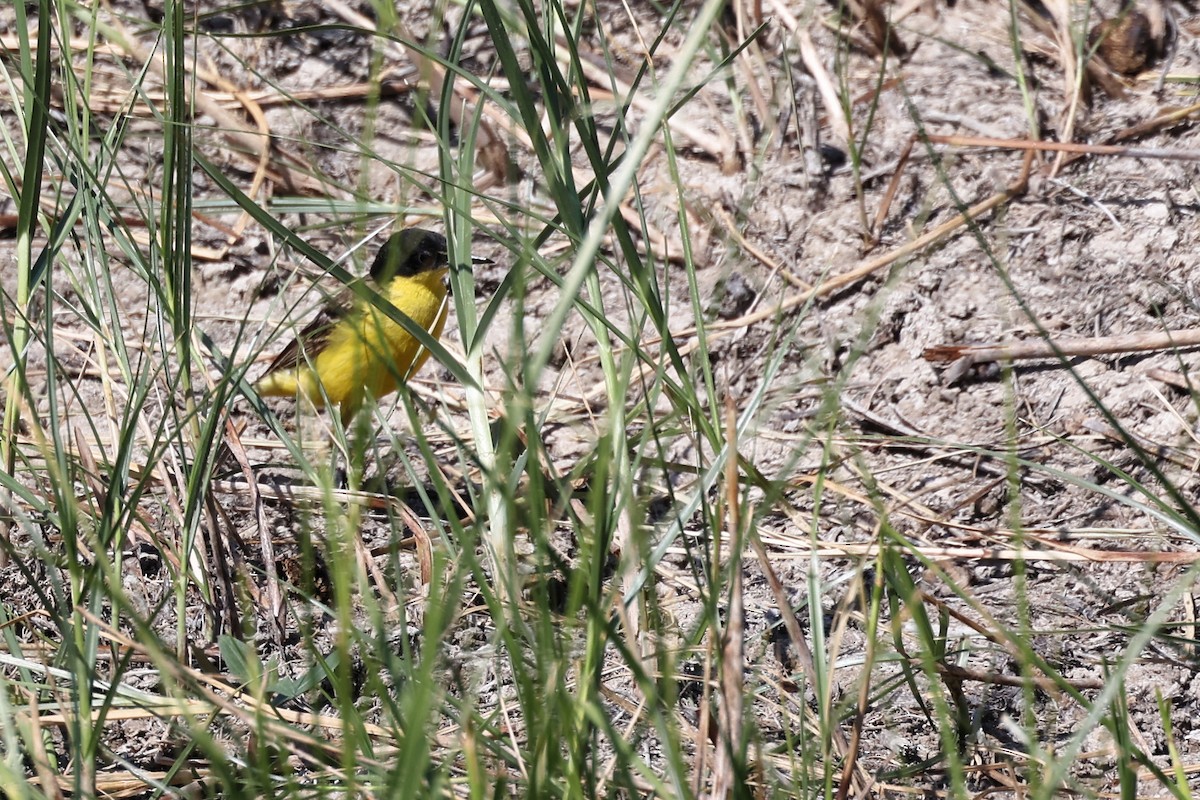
(973, 469)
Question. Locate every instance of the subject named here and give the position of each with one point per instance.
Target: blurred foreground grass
(203, 599)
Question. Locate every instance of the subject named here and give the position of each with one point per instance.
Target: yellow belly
(367, 353)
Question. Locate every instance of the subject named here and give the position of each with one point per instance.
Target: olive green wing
(314, 338)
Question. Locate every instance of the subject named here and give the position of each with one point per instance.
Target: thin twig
(493, 155)
(816, 68)
(1166, 154)
(733, 644)
(873, 265)
(1060, 348)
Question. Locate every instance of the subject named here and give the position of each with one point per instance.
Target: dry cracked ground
(830, 255)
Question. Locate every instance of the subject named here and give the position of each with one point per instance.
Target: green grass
(481, 610)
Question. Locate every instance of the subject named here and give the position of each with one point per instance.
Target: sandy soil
(962, 455)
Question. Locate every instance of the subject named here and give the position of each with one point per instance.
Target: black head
(409, 253)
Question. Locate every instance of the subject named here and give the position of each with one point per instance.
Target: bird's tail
(278, 384)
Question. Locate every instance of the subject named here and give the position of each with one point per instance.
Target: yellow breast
(367, 353)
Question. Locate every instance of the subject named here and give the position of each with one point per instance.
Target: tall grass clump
(539, 570)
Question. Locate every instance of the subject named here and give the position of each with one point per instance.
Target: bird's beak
(475, 261)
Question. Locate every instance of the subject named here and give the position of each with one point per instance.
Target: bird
(352, 349)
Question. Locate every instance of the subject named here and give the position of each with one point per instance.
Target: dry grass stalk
(609, 86)
(872, 16)
(816, 68)
(492, 154)
(1173, 154)
(995, 679)
(847, 779)
(870, 266)
(217, 696)
(1065, 348)
(791, 624)
(730, 735)
(704, 722)
(1053, 30)
(1155, 449)
(1054, 552)
(1030, 145)
(253, 144)
(274, 592)
(31, 722)
(732, 230)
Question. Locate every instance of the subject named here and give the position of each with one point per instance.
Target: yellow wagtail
(353, 349)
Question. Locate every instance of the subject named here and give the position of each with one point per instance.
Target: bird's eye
(431, 259)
